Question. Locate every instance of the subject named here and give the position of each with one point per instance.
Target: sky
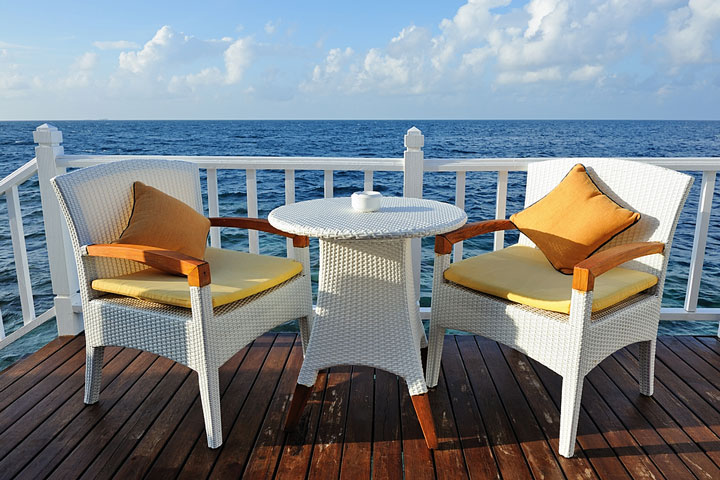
(391, 59)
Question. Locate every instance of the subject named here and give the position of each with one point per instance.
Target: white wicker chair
(571, 345)
(97, 203)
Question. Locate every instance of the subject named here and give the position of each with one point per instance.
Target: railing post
(63, 273)
(413, 187)
(702, 225)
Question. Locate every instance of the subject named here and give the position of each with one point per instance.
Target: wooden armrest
(258, 224)
(444, 242)
(197, 271)
(585, 272)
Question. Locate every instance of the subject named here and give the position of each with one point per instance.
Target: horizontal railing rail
(51, 160)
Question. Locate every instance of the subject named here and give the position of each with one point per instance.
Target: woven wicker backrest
(657, 193)
(97, 203)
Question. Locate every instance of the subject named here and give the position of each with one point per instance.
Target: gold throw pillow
(573, 221)
(160, 220)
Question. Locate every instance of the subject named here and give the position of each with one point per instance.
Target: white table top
(397, 217)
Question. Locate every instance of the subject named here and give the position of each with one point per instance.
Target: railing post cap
(414, 138)
(47, 134)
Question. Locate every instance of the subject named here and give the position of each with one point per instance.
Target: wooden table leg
(424, 414)
(297, 405)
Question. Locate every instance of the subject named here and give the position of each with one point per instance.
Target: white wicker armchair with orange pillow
(198, 312)
(569, 323)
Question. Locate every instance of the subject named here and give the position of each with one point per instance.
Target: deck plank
(298, 446)
(661, 420)
(357, 448)
(547, 415)
(611, 450)
(190, 441)
(327, 453)
(89, 416)
(471, 427)
(238, 443)
(70, 391)
(701, 350)
(635, 423)
(150, 388)
(506, 449)
(537, 451)
(18, 369)
(387, 436)
(45, 373)
(696, 362)
(496, 412)
(106, 449)
(449, 458)
(268, 446)
(418, 460)
(681, 388)
(26, 448)
(168, 423)
(677, 363)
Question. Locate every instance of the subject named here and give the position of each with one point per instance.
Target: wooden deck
(496, 414)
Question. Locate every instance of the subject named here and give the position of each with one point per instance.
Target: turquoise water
(443, 139)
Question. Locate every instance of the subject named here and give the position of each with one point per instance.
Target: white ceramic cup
(366, 201)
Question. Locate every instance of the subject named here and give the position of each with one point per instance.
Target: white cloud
(86, 61)
(116, 45)
(396, 68)
(542, 41)
(12, 81)
(237, 59)
(586, 73)
(545, 74)
(270, 27)
(81, 71)
(168, 47)
(691, 31)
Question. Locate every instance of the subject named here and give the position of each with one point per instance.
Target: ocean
(360, 138)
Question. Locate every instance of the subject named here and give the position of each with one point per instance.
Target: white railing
(50, 161)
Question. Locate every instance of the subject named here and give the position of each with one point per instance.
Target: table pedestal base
(367, 314)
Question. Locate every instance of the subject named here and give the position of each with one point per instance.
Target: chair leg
(434, 354)
(209, 383)
(572, 386)
(647, 367)
(424, 414)
(93, 373)
(299, 400)
(304, 323)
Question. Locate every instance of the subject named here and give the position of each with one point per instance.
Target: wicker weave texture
(397, 217)
(97, 204)
(571, 345)
(366, 311)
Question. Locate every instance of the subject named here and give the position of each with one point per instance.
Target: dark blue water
(443, 139)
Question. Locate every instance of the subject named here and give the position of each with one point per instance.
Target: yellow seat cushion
(572, 221)
(235, 275)
(522, 274)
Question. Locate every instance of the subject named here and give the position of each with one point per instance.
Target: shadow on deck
(496, 413)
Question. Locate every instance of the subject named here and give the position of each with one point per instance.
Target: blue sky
(484, 59)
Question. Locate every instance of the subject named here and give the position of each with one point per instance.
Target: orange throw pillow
(160, 220)
(572, 221)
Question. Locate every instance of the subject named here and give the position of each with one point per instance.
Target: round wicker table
(366, 311)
